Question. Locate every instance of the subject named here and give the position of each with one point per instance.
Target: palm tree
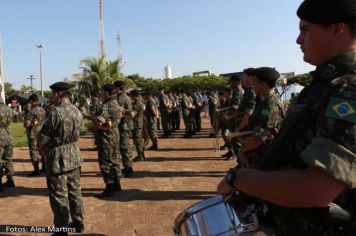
(96, 72)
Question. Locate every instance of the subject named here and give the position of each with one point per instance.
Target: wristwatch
(230, 177)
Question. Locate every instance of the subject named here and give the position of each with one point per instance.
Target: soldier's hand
(223, 188)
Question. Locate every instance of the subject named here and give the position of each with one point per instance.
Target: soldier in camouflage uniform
(248, 100)
(198, 106)
(138, 108)
(246, 108)
(311, 163)
(106, 129)
(125, 126)
(5, 145)
(187, 105)
(213, 104)
(33, 124)
(151, 113)
(94, 109)
(57, 142)
(95, 103)
(234, 101)
(266, 119)
(164, 109)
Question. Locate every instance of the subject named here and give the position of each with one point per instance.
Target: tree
(26, 90)
(301, 79)
(9, 90)
(99, 71)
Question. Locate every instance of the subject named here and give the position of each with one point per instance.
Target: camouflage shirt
(236, 97)
(109, 111)
(95, 107)
(34, 121)
(248, 101)
(138, 108)
(267, 118)
(59, 134)
(5, 120)
(325, 140)
(149, 112)
(125, 103)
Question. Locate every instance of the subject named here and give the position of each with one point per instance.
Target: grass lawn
(19, 138)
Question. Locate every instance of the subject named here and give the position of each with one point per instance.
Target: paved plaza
(182, 172)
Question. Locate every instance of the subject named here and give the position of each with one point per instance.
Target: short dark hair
(33, 97)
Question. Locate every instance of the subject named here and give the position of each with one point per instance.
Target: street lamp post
(31, 78)
(40, 46)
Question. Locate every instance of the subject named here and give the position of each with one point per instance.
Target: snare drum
(215, 216)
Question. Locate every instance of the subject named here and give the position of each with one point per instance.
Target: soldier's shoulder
(345, 86)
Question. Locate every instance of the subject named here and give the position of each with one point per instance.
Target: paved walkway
(182, 172)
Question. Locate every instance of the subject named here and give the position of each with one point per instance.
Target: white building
(168, 72)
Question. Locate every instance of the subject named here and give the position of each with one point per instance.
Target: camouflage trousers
(187, 118)
(6, 161)
(125, 149)
(152, 129)
(65, 197)
(166, 125)
(137, 139)
(34, 155)
(109, 164)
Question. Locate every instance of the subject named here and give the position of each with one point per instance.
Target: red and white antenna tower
(101, 30)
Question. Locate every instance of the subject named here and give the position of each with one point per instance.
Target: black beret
(33, 97)
(236, 78)
(135, 92)
(119, 83)
(249, 71)
(109, 88)
(60, 86)
(327, 11)
(267, 74)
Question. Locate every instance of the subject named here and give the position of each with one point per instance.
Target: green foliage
(85, 126)
(181, 83)
(301, 79)
(9, 90)
(19, 138)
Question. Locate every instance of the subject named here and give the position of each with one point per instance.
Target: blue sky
(190, 35)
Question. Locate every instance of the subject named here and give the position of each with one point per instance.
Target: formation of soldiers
(114, 115)
(249, 114)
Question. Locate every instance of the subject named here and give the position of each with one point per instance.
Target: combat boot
(36, 170)
(108, 191)
(117, 185)
(154, 146)
(127, 172)
(77, 225)
(140, 157)
(9, 182)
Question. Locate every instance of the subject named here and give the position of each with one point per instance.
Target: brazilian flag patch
(341, 109)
